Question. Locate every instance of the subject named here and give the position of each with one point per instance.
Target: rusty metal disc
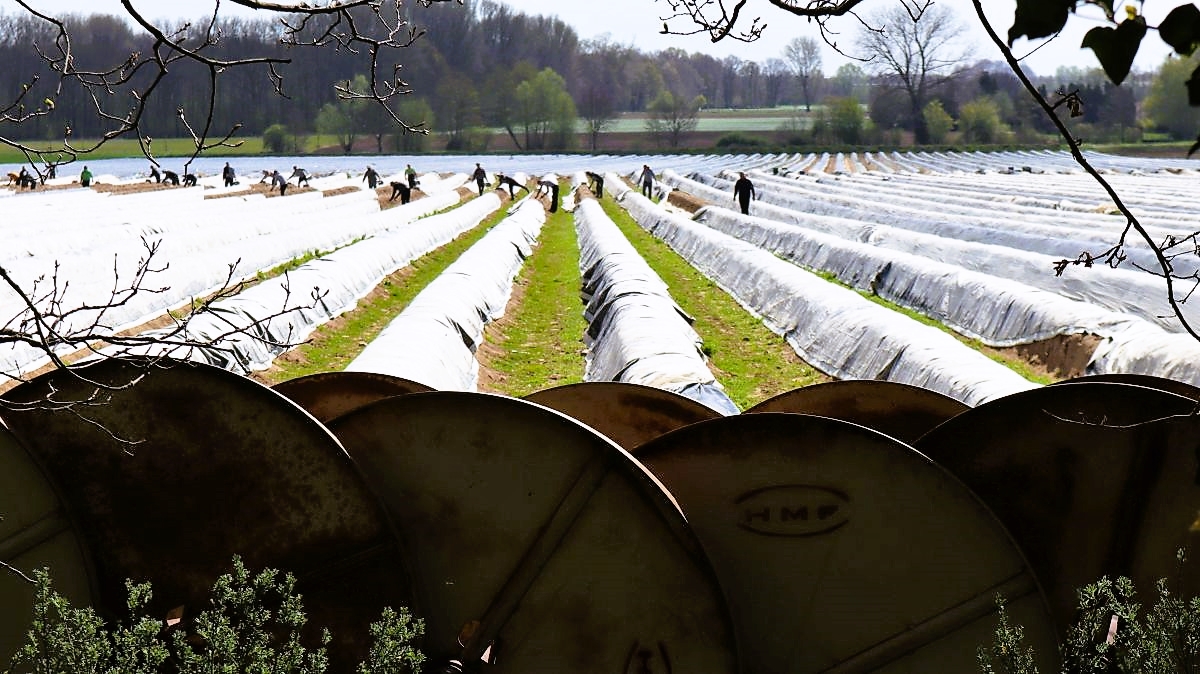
(902, 411)
(1089, 478)
(209, 465)
(332, 394)
(628, 414)
(841, 549)
(35, 533)
(535, 535)
(1163, 384)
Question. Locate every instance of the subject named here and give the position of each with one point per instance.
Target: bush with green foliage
(846, 119)
(980, 122)
(739, 140)
(938, 122)
(1111, 634)
(277, 139)
(252, 625)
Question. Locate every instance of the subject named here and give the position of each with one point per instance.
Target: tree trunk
(511, 134)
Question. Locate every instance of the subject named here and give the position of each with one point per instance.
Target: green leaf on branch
(1039, 18)
(1181, 29)
(1115, 48)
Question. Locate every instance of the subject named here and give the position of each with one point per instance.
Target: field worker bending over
(277, 179)
(596, 184)
(551, 188)
(647, 180)
(171, 177)
(743, 191)
(503, 180)
(401, 190)
(300, 176)
(154, 174)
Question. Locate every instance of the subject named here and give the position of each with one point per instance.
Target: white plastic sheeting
(832, 328)
(199, 238)
(636, 333)
(996, 311)
(1119, 290)
(433, 341)
(338, 279)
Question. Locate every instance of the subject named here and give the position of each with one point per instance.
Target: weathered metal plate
(902, 411)
(218, 466)
(34, 533)
(332, 394)
(628, 414)
(568, 553)
(1177, 387)
(1088, 477)
(841, 549)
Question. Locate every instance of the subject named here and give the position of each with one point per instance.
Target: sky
(638, 22)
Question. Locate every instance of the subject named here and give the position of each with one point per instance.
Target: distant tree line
(489, 65)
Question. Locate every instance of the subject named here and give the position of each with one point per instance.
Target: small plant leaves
(1181, 29)
(1039, 18)
(1115, 48)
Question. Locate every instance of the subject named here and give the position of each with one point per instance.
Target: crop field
(555, 392)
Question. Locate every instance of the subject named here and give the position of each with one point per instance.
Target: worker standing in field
(480, 177)
(743, 191)
(411, 174)
(85, 177)
(229, 175)
(372, 177)
(154, 174)
(647, 181)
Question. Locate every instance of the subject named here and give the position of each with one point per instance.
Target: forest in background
(488, 67)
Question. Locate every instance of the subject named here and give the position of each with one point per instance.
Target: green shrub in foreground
(253, 624)
(1111, 634)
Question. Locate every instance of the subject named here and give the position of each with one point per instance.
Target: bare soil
(687, 201)
(492, 380)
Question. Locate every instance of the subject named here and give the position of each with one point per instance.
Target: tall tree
(804, 55)
(347, 117)
(775, 74)
(546, 111)
(916, 44)
(671, 116)
(1164, 107)
(456, 107)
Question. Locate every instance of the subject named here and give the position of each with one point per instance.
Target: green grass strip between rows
(332, 346)
(1014, 363)
(541, 342)
(750, 361)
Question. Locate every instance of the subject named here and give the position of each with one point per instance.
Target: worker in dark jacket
(401, 190)
(743, 191)
(300, 175)
(372, 177)
(480, 177)
(504, 181)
